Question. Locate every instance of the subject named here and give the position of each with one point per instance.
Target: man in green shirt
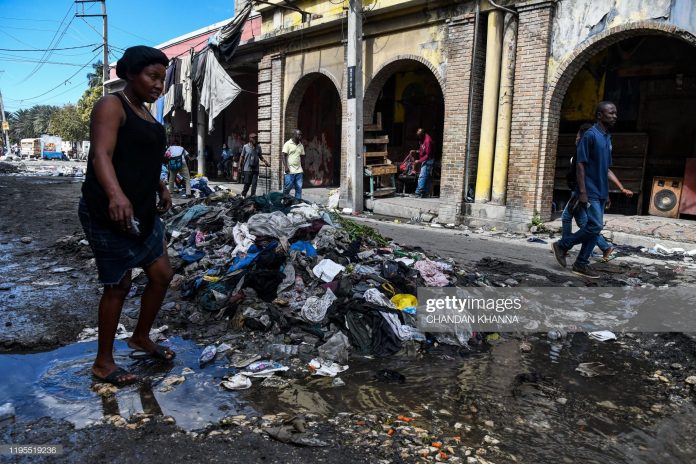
(293, 151)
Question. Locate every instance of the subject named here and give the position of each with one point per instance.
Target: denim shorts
(116, 254)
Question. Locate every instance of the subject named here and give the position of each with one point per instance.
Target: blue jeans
(580, 219)
(293, 180)
(588, 233)
(424, 178)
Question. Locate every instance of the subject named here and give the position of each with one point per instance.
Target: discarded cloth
(192, 213)
(218, 89)
(403, 331)
(336, 348)
(315, 308)
(327, 270)
(374, 296)
(431, 273)
(242, 238)
(275, 224)
(304, 247)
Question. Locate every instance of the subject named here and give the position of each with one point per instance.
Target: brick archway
(293, 120)
(561, 80)
(394, 65)
(299, 88)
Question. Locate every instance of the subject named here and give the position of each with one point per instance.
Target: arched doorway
(408, 96)
(651, 76)
(314, 107)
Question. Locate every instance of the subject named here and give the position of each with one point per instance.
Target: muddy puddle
(535, 404)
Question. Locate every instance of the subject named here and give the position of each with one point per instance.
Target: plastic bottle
(556, 334)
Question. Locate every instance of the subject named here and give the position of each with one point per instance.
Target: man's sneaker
(585, 271)
(559, 254)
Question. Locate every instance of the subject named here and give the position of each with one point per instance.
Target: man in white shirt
(293, 151)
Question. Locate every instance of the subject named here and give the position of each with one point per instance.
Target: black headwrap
(136, 58)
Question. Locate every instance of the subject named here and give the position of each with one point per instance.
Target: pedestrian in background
(293, 151)
(593, 163)
(251, 155)
(119, 210)
(425, 160)
(178, 164)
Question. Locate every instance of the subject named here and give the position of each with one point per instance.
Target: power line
(134, 35)
(30, 19)
(64, 82)
(46, 55)
(17, 59)
(46, 49)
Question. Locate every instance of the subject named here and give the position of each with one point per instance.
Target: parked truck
(52, 147)
(30, 148)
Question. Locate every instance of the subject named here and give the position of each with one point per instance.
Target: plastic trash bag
(337, 348)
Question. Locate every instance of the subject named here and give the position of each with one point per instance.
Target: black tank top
(137, 160)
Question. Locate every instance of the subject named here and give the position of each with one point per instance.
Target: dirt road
(494, 403)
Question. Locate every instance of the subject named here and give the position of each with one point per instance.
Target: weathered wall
(576, 21)
(328, 61)
(427, 43)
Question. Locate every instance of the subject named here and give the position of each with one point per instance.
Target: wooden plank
(377, 140)
(376, 154)
(380, 169)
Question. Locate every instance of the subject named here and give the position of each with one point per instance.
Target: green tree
(86, 103)
(96, 77)
(21, 125)
(67, 123)
(41, 117)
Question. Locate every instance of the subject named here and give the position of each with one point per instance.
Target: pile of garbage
(302, 280)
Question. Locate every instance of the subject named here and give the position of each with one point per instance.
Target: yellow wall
(585, 91)
(329, 10)
(428, 43)
(329, 60)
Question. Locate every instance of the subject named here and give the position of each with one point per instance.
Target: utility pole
(354, 162)
(5, 126)
(105, 37)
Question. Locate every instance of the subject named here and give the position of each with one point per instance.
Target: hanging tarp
(229, 35)
(218, 90)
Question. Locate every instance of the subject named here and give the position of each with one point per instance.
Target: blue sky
(33, 24)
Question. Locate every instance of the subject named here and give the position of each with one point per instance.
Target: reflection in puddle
(539, 405)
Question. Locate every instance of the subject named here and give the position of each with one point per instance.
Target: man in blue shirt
(593, 163)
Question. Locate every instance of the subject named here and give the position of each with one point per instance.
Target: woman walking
(119, 209)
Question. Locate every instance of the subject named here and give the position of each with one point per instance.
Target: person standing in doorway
(119, 210)
(251, 155)
(593, 163)
(293, 151)
(425, 161)
(178, 157)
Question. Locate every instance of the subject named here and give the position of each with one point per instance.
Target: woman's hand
(121, 211)
(165, 200)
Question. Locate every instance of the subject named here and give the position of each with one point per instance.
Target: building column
(201, 126)
(502, 132)
(528, 110)
(491, 88)
(270, 116)
(458, 82)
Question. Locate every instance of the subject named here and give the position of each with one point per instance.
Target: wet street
(508, 398)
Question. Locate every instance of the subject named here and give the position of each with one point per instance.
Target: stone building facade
(463, 53)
